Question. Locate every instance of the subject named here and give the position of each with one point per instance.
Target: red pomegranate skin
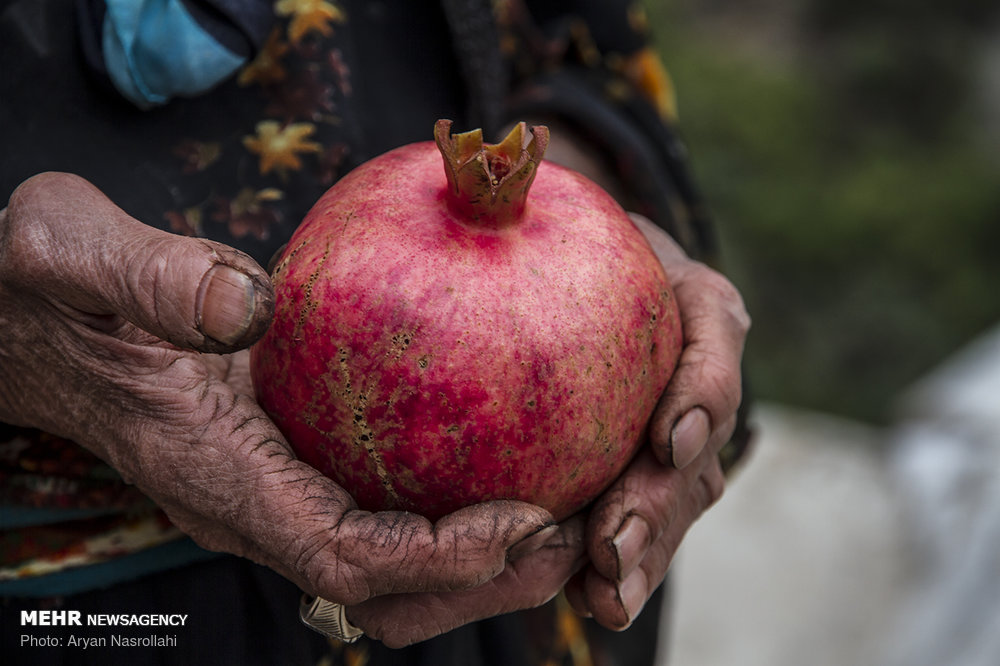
(426, 361)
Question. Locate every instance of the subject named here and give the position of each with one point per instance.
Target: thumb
(68, 240)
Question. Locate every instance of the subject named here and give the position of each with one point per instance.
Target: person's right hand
(111, 334)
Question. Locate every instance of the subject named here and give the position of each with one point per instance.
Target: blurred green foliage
(858, 205)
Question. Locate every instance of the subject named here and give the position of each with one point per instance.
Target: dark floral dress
(303, 91)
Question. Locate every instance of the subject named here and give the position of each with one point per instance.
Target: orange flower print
(646, 71)
(279, 146)
(197, 155)
(308, 16)
(266, 68)
(186, 222)
(249, 212)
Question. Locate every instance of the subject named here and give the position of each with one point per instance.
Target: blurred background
(850, 150)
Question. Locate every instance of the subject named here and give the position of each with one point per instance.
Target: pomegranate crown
(489, 183)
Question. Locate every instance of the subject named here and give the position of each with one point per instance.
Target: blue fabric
(154, 50)
(104, 574)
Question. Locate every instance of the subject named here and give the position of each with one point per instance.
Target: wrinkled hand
(109, 335)
(635, 528)
(699, 406)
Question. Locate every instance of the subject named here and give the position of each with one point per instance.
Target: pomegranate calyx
(488, 184)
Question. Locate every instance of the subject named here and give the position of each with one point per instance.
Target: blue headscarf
(153, 50)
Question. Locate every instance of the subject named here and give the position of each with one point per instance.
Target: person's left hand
(636, 526)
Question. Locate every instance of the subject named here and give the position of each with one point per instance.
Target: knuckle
(712, 486)
(725, 293)
(718, 283)
(722, 434)
(374, 555)
(715, 379)
(25, 243)
(150, 274)
(741, 317)
(727, 385)
(329, 575)
(656, 501)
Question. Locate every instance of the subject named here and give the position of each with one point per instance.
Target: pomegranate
(442, 338)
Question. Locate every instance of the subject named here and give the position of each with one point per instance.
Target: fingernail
(630, 542)
(689, 436)
(227, 304)
(531, 543)
(632, 594)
